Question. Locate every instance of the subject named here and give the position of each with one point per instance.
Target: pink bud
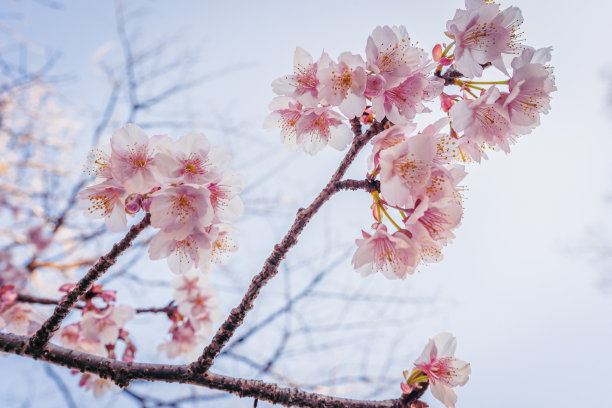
(67, 287)
(145, 203)
(437, 52)
(109, 295)
(133, 203)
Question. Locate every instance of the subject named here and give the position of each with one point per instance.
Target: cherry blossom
(530, 86)
(132, 159)
(406, 168)
(391, 55)
(193, 251)
(105, 200)
(394, 255)
(103, 326)
(192, 322)
(442, 369)
(483, 34)
(22, 319)
(431, 225)
(343, 83)
(309, 128)
(224, 195)
(302, 85)
(178, 210)
(186, 160)
(483, 120)
(387, 139)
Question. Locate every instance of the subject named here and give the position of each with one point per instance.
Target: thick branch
(270, 268)
(122, 373)
(40, 339)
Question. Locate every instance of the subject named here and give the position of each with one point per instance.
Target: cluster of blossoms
(183, 185)
(98, 332)
(193, 318)
(419, 171)
(16, 317)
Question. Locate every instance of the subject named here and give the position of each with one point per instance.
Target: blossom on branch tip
(482, 34)
(441, 368)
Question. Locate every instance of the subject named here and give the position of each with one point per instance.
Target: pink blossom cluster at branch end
(185, 186)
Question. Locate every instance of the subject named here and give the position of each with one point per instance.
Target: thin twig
(40, 339)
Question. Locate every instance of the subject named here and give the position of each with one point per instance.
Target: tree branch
(169, 309)
(123, 372)
(40, 339)
(270, 268)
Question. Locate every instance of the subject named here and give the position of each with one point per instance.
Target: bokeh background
(524, 287)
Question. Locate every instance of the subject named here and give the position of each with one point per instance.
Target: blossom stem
(422, 378)
(380, 206)
(447, 49)
(488, 82)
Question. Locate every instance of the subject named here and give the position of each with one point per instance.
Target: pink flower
(388, 138)
(390, 54)
(132, 159)
(443, 370)
(22, 319)
(482, 34)
(99, 165)
(224, 196)
(178, 210)
(394, 256)
(99, 386)
(184, 341)
(186, 160)
(193, 251)
(302, 85)
(70, 336)
(309, 128)
(105, 200)
(483, 120)
(530, 87)
(342, 84)
(406, 168)
(431, 224)
(103, 327)
(401, 103)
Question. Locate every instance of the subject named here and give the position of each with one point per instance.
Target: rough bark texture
(122, 373)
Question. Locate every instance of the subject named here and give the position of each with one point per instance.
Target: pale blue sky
(523, 302)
